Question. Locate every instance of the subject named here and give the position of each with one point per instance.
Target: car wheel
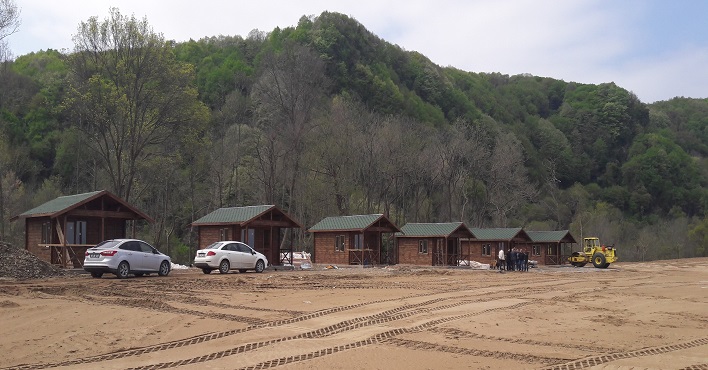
(224, 266)
(164, 268)
(138, 274)
(243, 271)
(206, 271)
(96, 275)
(260, 266)
(123, 270)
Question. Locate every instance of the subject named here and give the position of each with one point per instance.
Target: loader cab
(590, 244)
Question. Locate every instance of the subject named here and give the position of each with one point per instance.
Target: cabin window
(359, 241)
(423, 246)
(251, 238)
(76, 232)
(339, 243)
(223, 234)
(248, 236)
(47, 232)
(486, 249)
(536, 250)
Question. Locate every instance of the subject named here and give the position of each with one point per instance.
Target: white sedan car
(126, 256)
(227, 255)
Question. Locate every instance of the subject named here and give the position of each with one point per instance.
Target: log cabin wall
(324, 247)
(209, 234)
(409, 253)
(476, 250)
(33, 238)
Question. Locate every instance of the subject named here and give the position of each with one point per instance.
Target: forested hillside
(328, 119)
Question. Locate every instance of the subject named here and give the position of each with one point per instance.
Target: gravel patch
(17, 263)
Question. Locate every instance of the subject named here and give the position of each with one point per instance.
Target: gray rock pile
(17, 263)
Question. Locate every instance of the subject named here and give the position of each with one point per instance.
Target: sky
(658, 49)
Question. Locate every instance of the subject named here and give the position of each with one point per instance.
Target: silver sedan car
(227, 255)
(126, 256)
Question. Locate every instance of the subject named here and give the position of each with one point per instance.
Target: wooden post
(446, 257)
(103, 220)
(62, 241)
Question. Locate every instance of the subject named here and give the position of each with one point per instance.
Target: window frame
(146, 248)
(224, 234)
(536, 250)
(339, 243)
(242, 248)
(423, 246)
(358, 242)
(47, 232)
(487, 249)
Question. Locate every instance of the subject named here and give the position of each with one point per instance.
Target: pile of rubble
(17, 263)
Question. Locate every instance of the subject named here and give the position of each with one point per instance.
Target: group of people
(516, 259)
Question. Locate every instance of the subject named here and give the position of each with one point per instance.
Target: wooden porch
(67, 256)
(61, 230)
(365, 257)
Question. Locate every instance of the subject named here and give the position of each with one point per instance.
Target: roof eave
(335, 230)
(216, 223)
(270, 209)
(87, 200)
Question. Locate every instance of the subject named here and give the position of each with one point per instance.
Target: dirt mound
(20, 264)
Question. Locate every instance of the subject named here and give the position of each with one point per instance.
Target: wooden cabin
(354, 240)
(485, 248)
(433, 244)
(261, 227)
(61, 230)
(547, 247)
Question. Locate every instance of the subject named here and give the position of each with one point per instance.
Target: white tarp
(301, 260)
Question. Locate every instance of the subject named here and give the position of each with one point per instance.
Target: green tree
(659, 172)
(129, 95)
(699, 235)
(686, 119)
(39, 116)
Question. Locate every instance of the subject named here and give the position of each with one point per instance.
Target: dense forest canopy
(326, 118)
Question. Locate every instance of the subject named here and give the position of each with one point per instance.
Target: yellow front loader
(600, 255)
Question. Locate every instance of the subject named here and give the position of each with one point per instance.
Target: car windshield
(214, 246)
(107, 244)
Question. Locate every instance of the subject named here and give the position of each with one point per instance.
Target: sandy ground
(630, 316)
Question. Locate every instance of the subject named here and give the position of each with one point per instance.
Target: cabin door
(453, 251)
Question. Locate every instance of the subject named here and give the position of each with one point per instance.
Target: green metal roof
(550, 236)
(496, 233)
(431, 229)
(59, 204)
(232, 215)
(343, 223)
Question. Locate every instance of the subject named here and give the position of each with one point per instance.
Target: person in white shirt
(500, 260)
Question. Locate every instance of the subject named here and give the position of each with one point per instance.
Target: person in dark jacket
(509, 262)
(514, 254)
